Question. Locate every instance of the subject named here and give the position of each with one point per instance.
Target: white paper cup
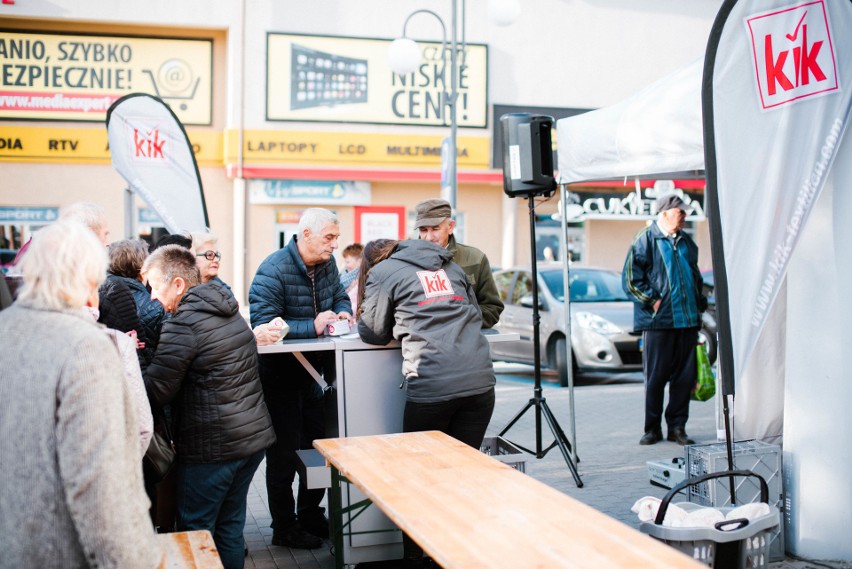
(337, 328)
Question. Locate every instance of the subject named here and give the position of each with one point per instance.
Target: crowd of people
(106, 344)
(109, 346)
(137, 342)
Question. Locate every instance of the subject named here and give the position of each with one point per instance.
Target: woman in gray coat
(72, 492)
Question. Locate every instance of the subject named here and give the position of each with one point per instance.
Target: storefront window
(547, 245)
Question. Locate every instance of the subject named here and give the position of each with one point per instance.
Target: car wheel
(560, 358)
(711, 344)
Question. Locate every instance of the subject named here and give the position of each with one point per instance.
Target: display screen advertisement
(344, 79)
(64, 77)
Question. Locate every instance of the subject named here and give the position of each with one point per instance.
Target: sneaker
(316, 526)
(296, 538)
(651, 438)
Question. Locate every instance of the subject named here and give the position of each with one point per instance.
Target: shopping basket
(738, 544)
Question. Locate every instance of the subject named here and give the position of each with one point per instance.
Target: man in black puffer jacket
(299, 283)
(206, 362)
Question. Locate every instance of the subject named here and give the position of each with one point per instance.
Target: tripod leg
(562, 441)
(515, 419)
(558, 433)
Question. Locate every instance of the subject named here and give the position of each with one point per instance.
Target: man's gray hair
(173, 261)
(315, 219)
(89, 214)
(63, 263)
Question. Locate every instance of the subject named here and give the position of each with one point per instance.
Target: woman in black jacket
(126, 258)
(206, 366)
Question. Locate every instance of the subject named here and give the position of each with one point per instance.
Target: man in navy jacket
(662, 277)
(299, 283)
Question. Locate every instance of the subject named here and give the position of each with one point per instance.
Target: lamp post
(405, 57)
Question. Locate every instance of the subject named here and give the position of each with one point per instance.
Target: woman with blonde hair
(72, 493)
(207, 256)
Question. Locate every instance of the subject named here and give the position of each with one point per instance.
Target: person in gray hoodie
(413, 292)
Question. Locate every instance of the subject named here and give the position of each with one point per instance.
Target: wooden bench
(189, 550)
(467, 510)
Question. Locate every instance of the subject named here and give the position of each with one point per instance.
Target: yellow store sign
(86, 145)
(48, 76)
(260, 147)
(268, 147)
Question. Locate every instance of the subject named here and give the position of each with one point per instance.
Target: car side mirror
(527, 302)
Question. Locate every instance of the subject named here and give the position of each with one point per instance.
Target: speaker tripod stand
(538, 403)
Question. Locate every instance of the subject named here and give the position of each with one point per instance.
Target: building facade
(290, 105)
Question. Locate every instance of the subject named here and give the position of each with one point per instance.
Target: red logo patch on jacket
(435, 283)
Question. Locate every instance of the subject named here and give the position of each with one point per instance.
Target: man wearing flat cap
(662, 278)
(435, 223)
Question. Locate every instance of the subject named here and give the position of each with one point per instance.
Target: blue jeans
(213, 497)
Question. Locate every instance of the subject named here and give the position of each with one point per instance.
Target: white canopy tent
(655, 132)
(658, 133)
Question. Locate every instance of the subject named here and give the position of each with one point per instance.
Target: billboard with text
(65, 77)
(344, 79)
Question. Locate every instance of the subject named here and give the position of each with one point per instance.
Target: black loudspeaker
(527, 155)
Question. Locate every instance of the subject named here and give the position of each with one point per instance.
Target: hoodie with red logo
(421, 298)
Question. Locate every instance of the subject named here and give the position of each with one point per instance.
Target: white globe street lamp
(504, 12)
(405, 57)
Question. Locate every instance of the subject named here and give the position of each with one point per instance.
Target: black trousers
(296, 407)
(465, 419)
(668, 357)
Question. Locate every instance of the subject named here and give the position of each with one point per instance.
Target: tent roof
(655, 133)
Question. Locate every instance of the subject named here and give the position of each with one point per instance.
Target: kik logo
(793, 53)
(435, 283)
(148, 144)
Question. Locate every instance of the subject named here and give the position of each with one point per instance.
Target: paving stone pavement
(609, 417)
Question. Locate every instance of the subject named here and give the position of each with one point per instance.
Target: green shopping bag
(705, 383)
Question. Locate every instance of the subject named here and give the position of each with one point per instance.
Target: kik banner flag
(777, 96)
(150, 150)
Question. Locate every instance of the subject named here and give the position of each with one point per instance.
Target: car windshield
(586, 285)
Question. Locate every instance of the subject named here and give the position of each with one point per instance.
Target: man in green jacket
(434, 223)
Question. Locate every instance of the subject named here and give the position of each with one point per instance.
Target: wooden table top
(190, 550)
(468, 510)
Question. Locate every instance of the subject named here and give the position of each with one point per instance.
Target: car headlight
(597, 324)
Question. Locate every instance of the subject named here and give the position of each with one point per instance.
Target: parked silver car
(601, 320)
